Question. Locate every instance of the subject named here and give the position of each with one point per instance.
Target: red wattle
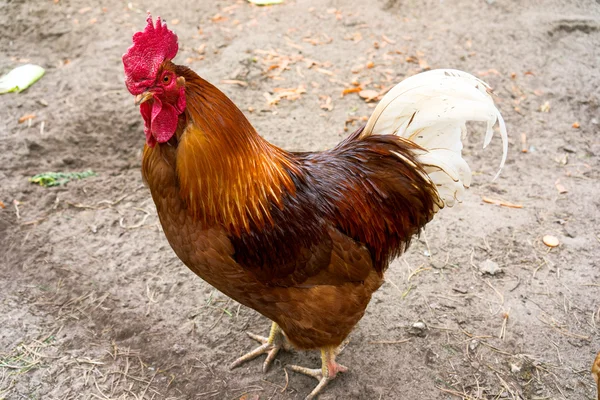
(160, 119)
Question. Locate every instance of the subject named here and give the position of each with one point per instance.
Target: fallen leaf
(370, 64)
(561, 189)
(575, 125)
(219, 18)
(326, 103)
(26, 117)
(550, 241)
(347, 91)
(354, 37)
(368, 94)
(48, 179)
(248, 396)
(2, 205)
(20, 78)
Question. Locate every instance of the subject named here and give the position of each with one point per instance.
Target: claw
(326, 374)
(270, 346)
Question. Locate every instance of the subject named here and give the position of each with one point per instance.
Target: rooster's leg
(270, 346)
(330, 368)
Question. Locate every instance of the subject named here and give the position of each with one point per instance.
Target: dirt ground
(95, 305)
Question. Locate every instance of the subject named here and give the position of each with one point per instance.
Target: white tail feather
(431, 109)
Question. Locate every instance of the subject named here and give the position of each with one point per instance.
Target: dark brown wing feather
(358, 196)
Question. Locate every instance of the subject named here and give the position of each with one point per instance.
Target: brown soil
(94, 303)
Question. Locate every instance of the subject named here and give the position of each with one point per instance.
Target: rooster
(302, 238)
(596, 373)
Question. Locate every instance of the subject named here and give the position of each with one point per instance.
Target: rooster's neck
(227, 173)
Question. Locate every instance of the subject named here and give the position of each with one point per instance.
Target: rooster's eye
(167, 78)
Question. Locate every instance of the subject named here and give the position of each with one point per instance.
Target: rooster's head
(151, 78)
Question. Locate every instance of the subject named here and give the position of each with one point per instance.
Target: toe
(322, 383)
(252, 355)
(315, 373)
(258, 338)
(270, 357)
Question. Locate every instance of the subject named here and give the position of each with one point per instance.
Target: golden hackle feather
(227, 173)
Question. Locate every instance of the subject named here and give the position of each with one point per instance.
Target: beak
(140, 98)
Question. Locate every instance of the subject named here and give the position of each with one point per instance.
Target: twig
(389, 341)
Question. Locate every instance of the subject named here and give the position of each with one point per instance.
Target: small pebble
(473, 344)
(550, 241)
(489, 267)
(418, 329)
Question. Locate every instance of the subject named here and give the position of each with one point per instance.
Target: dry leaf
(219, 18)
(575, 125)
(550, 241)
(347, 91)
(26, 117)
(326, 103)
(250, 396)
(2, 205)
(545, 107)
(368, 94)
(355, 37)
(561, 189)
(370, 64)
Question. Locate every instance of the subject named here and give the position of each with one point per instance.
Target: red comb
(152, 46)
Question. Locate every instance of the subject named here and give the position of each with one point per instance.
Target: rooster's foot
(326, 374)
(270, 346)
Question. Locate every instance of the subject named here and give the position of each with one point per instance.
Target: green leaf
(48, 179)
(20, 78)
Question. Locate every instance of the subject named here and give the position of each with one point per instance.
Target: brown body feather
(303, 238)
